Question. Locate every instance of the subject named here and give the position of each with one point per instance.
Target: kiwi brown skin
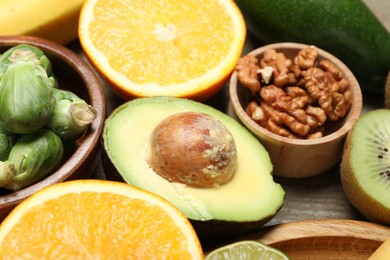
(387, 91)
(368, 206)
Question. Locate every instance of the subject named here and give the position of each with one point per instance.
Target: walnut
(276, 120)
(315, 135)
(266, 74)
(299, 95)
(281, 67)
(296, 99)
(316, 116)
(332, 69)
(329, 67)
(286, 124)
(266, 117)
(333, 97)
(256, 113)
(278, 99)
(247, 68)
(305, 59)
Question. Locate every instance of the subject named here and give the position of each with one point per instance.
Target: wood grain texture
(324, 239)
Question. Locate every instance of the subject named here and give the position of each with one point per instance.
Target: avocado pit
(194, 149)
(244, 203)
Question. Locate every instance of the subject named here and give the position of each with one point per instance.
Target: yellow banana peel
(55, 20)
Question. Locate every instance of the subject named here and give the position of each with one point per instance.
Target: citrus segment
(176, 48)
(96, 219)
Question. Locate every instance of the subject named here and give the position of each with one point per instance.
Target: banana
(55, 20)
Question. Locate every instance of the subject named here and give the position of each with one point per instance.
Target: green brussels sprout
(33, 157)
(26, 97)
(71, 115)
(26, 52)
(7, 140)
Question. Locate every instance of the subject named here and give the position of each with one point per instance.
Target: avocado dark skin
(208, 231)
(347, 29)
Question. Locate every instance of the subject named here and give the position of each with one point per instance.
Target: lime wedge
(247, 249)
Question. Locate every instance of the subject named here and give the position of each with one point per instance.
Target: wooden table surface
(318, 197)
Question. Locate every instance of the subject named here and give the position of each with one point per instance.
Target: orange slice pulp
(163, 48)
(97, 219)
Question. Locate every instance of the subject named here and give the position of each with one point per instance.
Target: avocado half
(249, 200)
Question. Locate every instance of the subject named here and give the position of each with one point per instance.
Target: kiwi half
(365, 166)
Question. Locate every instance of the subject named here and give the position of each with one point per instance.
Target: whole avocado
(347, 29)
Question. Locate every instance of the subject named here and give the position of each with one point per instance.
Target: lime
(246, 249)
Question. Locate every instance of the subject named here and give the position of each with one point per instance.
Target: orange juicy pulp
(176, 48)
(96, 219)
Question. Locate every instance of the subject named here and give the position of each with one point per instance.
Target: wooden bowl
(323, 239)
(74, 74)
(297, 158)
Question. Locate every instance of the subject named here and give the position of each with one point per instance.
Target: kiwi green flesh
(365, 166)
(251, 196)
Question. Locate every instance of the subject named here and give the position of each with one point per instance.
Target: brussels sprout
(7, 140)
(33, 157)
(71, 115)
(26, 97)
(26, 52)
(7, 173)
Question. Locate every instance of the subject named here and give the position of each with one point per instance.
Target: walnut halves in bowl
(300, 101)
(297, 96)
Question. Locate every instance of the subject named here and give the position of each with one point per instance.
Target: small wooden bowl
(74, 74)
(297, 158)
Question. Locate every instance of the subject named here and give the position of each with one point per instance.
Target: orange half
(163, 48)
(97, 219)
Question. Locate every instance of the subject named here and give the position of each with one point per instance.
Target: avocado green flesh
(251, 195)
(369, 158)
